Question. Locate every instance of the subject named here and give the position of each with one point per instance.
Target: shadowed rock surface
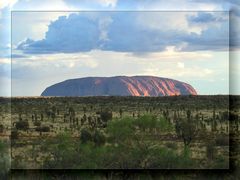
(120, 86)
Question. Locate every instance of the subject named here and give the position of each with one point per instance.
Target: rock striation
(120, 86)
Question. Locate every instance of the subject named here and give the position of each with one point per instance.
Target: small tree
(84, 119)
(71, 111)
(41, 129)
(1, 128)
(120, 131)
(186, 129)
(99, 138)
(37, 123)
(41, 117)
(14, 135)
(210, 147)
(53, 116)
(85, 136)
(106, 116)
(120, 112)
(84, 110)
(22, 125)
(35, 116)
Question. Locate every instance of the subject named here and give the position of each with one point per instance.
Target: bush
(43, 129)
(222, 140)
(151, 122)
(168, 159)
(1, 128)
(146, 122)
(37, 123)
(85, 136)
(186, 129)
(221, 163)
(164, 126)
(62, 152)
(120, 130)
(5, 158)
(22, 125)
(99, 138)
(171, 145)
(210, 150)
(106, 116)
(14, 134)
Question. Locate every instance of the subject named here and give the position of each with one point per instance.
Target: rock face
(120, 86)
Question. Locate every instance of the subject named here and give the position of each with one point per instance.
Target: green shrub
(222, 140)
(120, 130)
(85, 136)
(164, 126)
(22, 125)
(151, 122)
(146, 122)
(221, 163)
(62, 152)
(14, 134)
(98, 138)
(1, 128)
(106, 116)
(210, 150)
(37, 123)
(165, 158)
(43, 129)
(5, 158)
(171, 145)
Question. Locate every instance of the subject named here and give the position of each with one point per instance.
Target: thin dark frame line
(10, 138)
(112, 11)
(120, 10)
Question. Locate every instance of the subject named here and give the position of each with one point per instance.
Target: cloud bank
(132, 32)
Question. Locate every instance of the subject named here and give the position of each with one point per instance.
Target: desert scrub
(4, 158)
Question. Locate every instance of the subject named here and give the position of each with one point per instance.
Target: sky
(56, 40)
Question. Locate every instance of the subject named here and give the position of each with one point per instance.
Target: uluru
(120, 86)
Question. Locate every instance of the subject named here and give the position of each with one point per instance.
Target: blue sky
(190, 43)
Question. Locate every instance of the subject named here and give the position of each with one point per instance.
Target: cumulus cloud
(7, 3)
(93, 3)
(206, 17)
(172, 5)
(5, 70)
(180, 65)
(5, 88)
(5, 61)
(126, 32)
(52, 5)
(216, 38)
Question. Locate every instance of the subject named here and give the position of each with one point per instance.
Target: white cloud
(5, 88)
(71, 64)
(106, 3)
(32, 25)
(207, 71)
(184, 5)
(118, 31)
(5, 61)
(180, 65)
(168, 63)
(180, 73)
(171, 21)
(45, 5)
(7, 3)
(52, 68)
(171, 54)
(103, 26)
(57, 60)
(168, 21)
